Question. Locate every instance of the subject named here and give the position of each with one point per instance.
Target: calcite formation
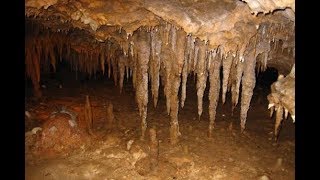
(163, 42)
(282, 99)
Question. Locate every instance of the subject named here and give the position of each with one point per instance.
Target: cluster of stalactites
(41, 52)
(168, 55)
(274, 41)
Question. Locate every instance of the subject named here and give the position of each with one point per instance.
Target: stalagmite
(88, 115)
(226, 67)
(202, 74)
(142, 50)
(248, 84)
(214, 78)
(110, 116)
(154, 148)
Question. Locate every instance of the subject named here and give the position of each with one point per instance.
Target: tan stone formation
(164, 41)
(267, 6)
(282, 99)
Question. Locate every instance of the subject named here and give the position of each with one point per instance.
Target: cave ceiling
(228, 24)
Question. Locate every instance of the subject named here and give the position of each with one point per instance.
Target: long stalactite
(175, 77)
(142, 53)
(202, 74)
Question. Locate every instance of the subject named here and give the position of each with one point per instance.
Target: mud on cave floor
(105, 156)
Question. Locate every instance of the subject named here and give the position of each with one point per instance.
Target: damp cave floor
(228, 155)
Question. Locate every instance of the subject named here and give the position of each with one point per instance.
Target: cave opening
(264, 80)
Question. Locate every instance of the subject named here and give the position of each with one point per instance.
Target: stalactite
(89, 64)
(175, 79)
(155, 58)
(36, 60)
(185, 71)
(235, 88)
(166, 58)
(286, 112)
(45, 60)
(165, 64)
(248, 84)
(102, 58)
(233, 71)
(195, 59)
(191, 53)
(173, 38)
(109, 58)
(214, 78)
(68, 49)
(134, 71)
(121, 66)
(32, 55)
(52, 58)
(95, 63)
(127, 73)
(60, 47)
(279, 118)
(226, 67)
(202, 73)
(265, 60)
(142, 49)
(115, 73)
(166, 34)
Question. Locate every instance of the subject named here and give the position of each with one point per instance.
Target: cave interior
(182, 89)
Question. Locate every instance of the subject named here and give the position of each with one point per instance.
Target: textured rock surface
(282, 99)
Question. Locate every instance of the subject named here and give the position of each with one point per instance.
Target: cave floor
(228, 155)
